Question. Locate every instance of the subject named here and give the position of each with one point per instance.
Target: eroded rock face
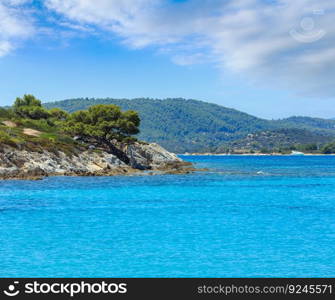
(17, 164)
(148, 156)
(23, 164)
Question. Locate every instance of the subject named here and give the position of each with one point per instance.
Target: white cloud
(15, 25)
(5, 48)
(140, 22)
(110, 14)
(284, 43)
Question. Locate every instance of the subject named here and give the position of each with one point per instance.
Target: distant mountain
(182, 125)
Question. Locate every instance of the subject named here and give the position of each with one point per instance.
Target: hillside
(322, 126)
(182, 125)
(278, 140)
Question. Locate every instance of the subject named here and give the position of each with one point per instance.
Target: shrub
(30, 107)
(329, 148)
(6, 139)
(58, 114)
(6, 113)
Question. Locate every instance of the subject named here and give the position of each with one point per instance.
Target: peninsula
(36, 142)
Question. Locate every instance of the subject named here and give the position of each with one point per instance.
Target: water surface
(246, 217)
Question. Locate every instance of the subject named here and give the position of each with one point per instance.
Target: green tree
(27, 100)
(103, 124)
(265, 151)
(329, 148)
(58, 114)
(307, 147)
(30, 107)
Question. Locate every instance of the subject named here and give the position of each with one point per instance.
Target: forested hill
(182, 125)
(313, 124)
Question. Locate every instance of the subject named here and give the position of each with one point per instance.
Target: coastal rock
(149, 156)
(24, 164)
(16, 163)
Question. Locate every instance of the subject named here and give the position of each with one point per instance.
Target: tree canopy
(58, 114)
(30, 107)
(103, 123)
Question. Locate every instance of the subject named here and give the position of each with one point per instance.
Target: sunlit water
(246, 217)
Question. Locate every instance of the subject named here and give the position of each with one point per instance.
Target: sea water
(244, 217)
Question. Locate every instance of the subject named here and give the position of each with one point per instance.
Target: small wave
(262, 173)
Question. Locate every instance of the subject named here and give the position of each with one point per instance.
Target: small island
(100, 141)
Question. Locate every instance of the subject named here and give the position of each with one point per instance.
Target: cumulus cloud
(15, 24)
(285, 43)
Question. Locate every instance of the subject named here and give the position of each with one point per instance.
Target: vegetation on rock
(103, 123)
(36, 128)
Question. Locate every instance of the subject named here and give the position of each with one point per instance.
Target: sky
(269, 58)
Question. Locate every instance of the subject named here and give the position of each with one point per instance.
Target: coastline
(141, 159)
(253, 154)
(179, 168)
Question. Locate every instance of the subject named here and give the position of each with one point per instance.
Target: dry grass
(9, 124)
(31, 132)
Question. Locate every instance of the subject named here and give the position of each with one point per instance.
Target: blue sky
(272, 60)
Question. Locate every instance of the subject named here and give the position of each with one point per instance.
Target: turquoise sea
(245, 217)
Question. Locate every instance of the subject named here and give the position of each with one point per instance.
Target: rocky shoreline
(150, 159)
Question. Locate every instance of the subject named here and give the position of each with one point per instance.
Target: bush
(42, 124)
(265, 151)
(6, 139)
(58, 114)
(307, 147)
(328, 149)
(32, 112)
(6, 113)
(30, 107)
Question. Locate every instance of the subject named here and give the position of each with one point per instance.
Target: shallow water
(246, 217)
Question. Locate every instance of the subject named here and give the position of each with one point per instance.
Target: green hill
(182, 125)
(314, 124)
(277, 140)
